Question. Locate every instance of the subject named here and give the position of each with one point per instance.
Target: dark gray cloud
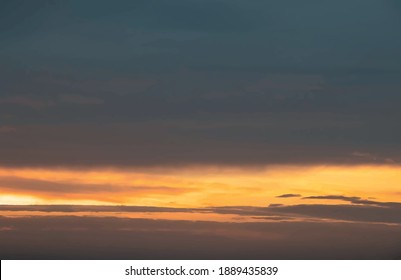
(281, 232)
(256, 82)
(288, 195)
(363, 213)
(352, 199)
(234, 34)
(184, 142)
(378, 212)
(117, 238)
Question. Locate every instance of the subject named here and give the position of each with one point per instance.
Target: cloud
(60, 189)
(289, 232)
(275, 204)
(7, 129)
(26, 101)
(66, 237)
(198, 117)
(288, 195)
(371, 157)
(79, 99)
(388, 213)
(96, 208)
(366, 155)
(175, 142)
(224, 68)
(352, 199)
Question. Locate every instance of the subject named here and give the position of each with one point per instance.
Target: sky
(215, 121)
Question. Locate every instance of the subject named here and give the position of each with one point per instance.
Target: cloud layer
(184, 82)
(300, 231)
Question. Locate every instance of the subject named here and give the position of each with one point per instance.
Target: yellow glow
(19, 199)
(198, 186)
(10, 199)
(142, 215)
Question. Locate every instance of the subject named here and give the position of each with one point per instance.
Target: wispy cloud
(389, 212)
(352, 199)
(288, 195)
(80, 99)
(7, 129)
(26, 101)
(73, 190)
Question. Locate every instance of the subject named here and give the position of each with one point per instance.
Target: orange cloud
(198, 186)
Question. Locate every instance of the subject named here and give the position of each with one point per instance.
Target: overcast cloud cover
(135, 85)
(210, 82)
(277, 232)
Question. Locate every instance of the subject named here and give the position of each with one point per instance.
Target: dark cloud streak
(389, 212)
(352, 199)
(289, 195)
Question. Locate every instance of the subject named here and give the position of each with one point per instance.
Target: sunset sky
(200, 129)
